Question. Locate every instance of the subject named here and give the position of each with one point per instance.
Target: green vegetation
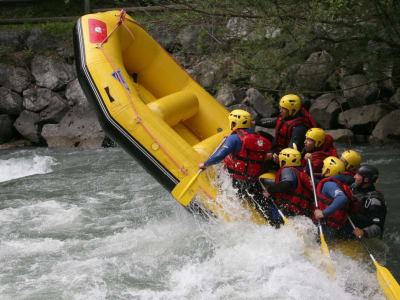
(277, 36)
(267, 40)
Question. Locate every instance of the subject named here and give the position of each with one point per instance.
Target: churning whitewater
(94, 225)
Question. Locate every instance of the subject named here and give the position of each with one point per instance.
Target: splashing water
(95, 225)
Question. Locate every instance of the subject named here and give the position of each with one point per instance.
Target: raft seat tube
(175, 107)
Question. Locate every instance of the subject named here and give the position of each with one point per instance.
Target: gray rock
(189, 36)
(226, 95)
(358, 91)
(55, 111)
(207, 73)
(3, 74)
(326, 109)
(27, 125)
(395, 99)
(14, 39)
(363, 115)
(50, 105)
(15, 78)
(6, 128)
(10, 102)
(74, 94)
(341, 135)
(79, 128)
(36, 99)
(258, 102)
(50, 73)
(39, 41)
(312, 75)
(388, 129)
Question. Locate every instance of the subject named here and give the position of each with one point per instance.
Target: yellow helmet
(239, 118)
(334, 165)
(317, 135)
(289, 157)
(352, 159)
(291, 102)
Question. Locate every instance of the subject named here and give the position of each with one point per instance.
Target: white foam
(14, 168)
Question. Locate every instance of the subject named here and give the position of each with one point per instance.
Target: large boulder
(14, 78)
(40, 41)
(226, 95)
(50, 105)
(27, 125)
(79, 128)
(188, 37)
(207, 73)
(345, 136)
(6, 128)
(365, 116)
(312, 75)
(257, 101)
(395, 99)
(13, 39)
(326, 109)
(10, 102)
(36, 99)
(74, 93)
(50, 73)
(358, 91)
(388, 129)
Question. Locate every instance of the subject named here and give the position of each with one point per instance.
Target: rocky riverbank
(42, 104)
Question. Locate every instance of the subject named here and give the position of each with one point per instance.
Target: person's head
(351, 159)
(315, 137)
(289, 105)
(239, 118)
(366, 175)
(289, 157)
(332, 166)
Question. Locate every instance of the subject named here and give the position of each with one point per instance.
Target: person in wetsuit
(244, 153)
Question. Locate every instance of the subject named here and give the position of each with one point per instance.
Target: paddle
(285, 220)
(386, 280)
(324, 246)
(184, 190)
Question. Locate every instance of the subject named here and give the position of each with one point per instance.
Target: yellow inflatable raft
(149, 104)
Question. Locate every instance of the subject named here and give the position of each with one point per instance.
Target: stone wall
(41, 102)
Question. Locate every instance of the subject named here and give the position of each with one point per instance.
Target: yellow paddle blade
(387, 282)
(285, 220)
(186, 189)
(328, 262)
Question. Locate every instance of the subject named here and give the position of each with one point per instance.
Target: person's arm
(230, 145)
(377, 215)
(332, 190)
(288, 182)
(298, 137)
(266, 122)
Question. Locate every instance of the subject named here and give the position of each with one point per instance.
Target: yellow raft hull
(149, 104)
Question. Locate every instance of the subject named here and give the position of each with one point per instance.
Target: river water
(94, 225)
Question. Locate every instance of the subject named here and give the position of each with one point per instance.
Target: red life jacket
(248, 164)
(297, 201)
(318, 156)
(339, 217)
(349, 173)
(283, 130)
